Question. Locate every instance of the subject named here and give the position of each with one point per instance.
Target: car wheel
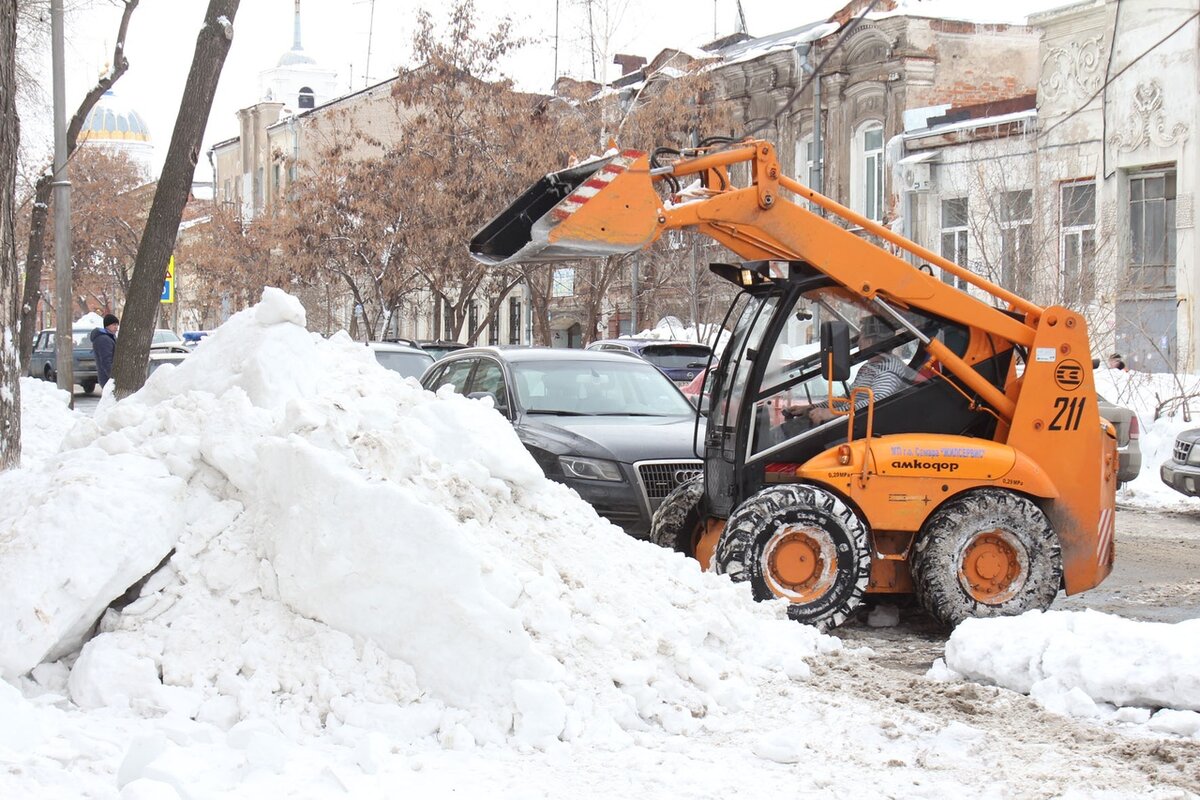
(677, 523)
(986, 553)
(803, 544)
(48, 374)
(88, 385)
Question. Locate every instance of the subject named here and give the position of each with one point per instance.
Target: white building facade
(1086, 199)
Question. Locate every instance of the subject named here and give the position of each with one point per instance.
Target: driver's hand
(820, 414)
(791, 412)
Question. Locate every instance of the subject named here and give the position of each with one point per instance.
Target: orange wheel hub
(992, 567)
(800, 563)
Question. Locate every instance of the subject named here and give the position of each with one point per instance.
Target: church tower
(297, 80)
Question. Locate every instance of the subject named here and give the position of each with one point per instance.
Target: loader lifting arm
(611, 207)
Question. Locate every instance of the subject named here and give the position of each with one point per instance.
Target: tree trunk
(35, 253)
(10, 385)
(174, 187)
(35, 257)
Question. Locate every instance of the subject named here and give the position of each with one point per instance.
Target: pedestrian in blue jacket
(104, 342)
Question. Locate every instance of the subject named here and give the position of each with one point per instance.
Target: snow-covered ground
(371, 591)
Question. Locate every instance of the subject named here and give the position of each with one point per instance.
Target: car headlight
(591, 469)
(1194, 456)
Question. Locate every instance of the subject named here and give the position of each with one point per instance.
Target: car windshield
(410, 365)
(165, 336)
(675, 356)
(605, 388)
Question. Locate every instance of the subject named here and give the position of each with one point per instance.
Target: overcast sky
(340, 34)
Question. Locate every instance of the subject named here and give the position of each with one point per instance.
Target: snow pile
(45, 419)
(1087, 664)
(89, 320)
(64, 550)
(352, 552)
(1143, 393)
(671, 329)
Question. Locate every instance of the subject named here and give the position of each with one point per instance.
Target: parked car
(407, 359)
(440, 348)
(1129, 451)
(681, 361)
(165, 354)
(43, 363)
(1182, 471)
(613, 428)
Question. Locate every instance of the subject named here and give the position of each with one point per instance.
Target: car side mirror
(835, 350)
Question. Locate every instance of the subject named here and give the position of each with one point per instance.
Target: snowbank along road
(372, 591)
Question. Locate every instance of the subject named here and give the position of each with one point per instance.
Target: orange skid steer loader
(930, 442)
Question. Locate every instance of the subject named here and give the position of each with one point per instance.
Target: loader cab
(765, 416)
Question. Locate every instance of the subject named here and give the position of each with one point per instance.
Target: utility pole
(64, 343)
(633, 294)
(370, 36)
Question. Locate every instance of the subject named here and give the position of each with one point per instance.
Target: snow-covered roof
(971, 124)
(1011, 12)
(751, 49)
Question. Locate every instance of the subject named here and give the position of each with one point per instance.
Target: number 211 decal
(1070, 411)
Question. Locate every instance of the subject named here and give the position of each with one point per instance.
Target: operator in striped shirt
(883, 373)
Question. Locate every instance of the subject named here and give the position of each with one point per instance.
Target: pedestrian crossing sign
(168, 290)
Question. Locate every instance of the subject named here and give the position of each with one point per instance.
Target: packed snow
(370, 590)
(1087, 664)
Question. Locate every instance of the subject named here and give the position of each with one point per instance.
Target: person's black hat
(111, 319)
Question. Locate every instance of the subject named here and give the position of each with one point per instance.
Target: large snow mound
(351, 547)
(1088, 664)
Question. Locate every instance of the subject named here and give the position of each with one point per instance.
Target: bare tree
(174, 188)
(10, 387)
(468, 143)
(35, 251)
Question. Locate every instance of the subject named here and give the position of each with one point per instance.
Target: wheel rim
(800, 563)
(992, 567)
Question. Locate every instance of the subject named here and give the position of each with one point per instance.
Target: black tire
(88, 386)
(799, 520)
(676, 523)
(986, 553)
(48, 374)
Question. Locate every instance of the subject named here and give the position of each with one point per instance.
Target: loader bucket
(600, 208)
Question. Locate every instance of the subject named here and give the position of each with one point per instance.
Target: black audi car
(613, 428)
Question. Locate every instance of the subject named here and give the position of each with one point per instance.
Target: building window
(1077, 224)
(805, 162)
(258, 187)
(1152, 230)
(866, 190)
(275, 172)
(494, 329)
(447, 320)
(514, 321)
(954, 236)
(563, 283)
(1016, 249)
(306, 99)
(472, 320)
